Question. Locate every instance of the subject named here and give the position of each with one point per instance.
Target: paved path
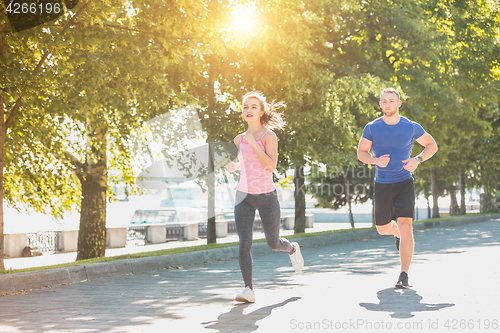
(345, 287)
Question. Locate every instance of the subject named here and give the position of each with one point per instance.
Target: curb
(454, 222)
(11, 283)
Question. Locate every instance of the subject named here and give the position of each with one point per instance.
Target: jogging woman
(258, 156)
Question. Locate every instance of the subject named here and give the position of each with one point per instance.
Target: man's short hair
(390, 90)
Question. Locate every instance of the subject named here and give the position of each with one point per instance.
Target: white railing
(139, 234)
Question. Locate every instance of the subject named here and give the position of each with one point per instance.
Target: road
(454, 278)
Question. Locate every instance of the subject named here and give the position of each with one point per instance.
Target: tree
(441, 54)
(472, 28)
(475, 38)
(339, 187)
(122, 62)
(291, 58)
(32, 177)
(264, 59)
(351, 104)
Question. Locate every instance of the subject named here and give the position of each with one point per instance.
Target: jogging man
(390, 138)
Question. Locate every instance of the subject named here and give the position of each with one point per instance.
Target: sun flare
(244, 18)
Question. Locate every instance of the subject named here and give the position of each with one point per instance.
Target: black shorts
(393, 201)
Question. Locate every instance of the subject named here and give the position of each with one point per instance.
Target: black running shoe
(397, 242)
(403, 281)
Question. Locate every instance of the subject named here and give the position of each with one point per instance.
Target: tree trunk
(351, 217)
(462, 192)
(483, 203)
(435, 193)
(94, 181)
(454, 209)
(3, 133)
(347, 185)
(428, 208)
(212, 106)
(211, 227)
(496, 197)
(300, 200)
(2, 152)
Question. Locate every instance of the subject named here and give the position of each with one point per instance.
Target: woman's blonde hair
(270, 119)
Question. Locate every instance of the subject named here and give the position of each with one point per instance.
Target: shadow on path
(373, 256)
(402, 303)
(132, 301)
(235, 320)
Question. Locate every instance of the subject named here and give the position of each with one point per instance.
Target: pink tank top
(254, 178)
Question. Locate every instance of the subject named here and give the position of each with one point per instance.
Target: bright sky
(244, 18)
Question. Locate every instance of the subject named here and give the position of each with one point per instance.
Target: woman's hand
(231, 166)
(249, 138)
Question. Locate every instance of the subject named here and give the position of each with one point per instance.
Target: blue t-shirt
(395, 140)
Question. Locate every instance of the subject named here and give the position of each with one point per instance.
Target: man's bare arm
(364, 155)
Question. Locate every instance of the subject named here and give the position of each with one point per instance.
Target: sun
(244, 18)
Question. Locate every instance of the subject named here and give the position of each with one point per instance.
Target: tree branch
(116, 27)
(73, 18)
(2, 38)
(66, 155)
(17, 106)
(5, 31)
(12, 113)
(75, 161)
(40, 63)
(148, 32)
(1, 110)
(128, 29)
(66, 27)
(137, 30)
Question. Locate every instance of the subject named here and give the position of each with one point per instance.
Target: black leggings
(244, 214)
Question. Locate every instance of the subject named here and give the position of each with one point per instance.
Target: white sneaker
(247, 296)
(296, 258)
